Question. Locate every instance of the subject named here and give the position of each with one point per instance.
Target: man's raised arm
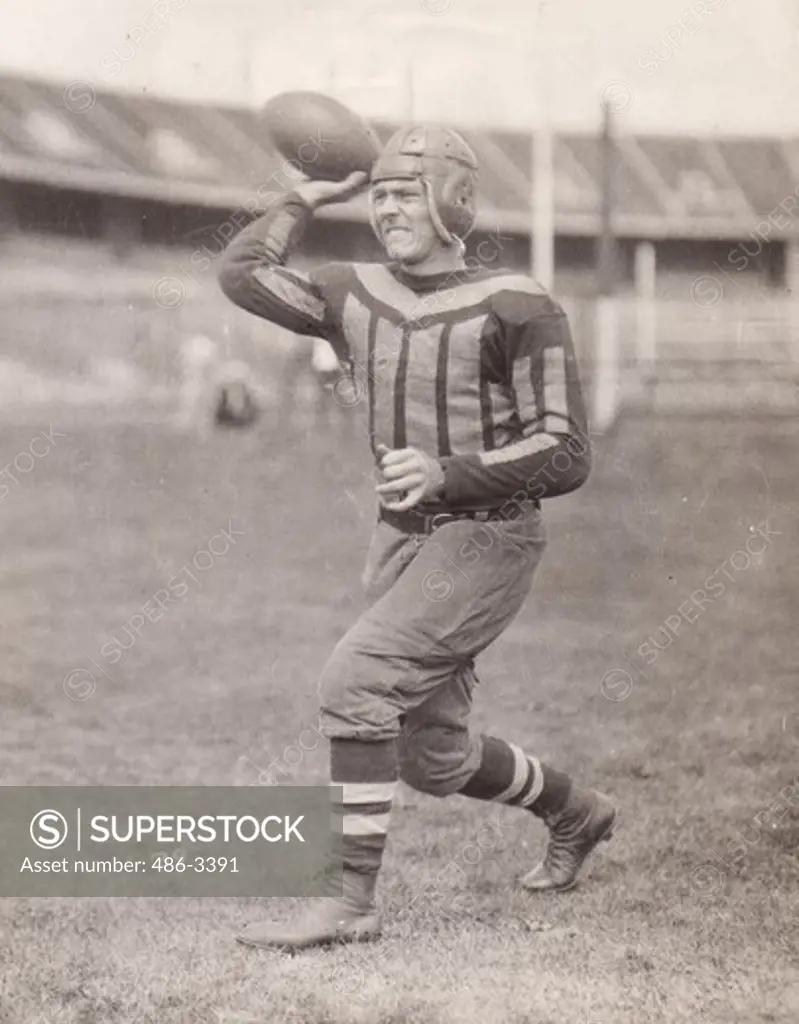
(253, 274)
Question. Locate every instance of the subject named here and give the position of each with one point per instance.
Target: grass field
(691, 915)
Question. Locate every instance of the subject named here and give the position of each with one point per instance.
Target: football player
(475, 416)
(199, 362)
(236, 396)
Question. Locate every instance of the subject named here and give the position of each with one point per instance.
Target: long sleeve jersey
(475, 367)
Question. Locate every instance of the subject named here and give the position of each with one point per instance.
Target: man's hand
(408, 470)
(320, 193)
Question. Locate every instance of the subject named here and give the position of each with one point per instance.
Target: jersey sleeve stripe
(525, 392)
(556, 402)
(293, 290)
(520, 450)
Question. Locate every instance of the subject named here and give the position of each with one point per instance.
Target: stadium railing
(673, 356)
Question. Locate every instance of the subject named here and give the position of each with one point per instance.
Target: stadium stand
(87, 143)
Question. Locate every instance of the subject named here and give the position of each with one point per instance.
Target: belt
(417, 521)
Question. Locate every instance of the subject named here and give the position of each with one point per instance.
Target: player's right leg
(364, 761)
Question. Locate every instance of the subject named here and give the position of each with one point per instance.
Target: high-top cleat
(587, 819)
(351, 917)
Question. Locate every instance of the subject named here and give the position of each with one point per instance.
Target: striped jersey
(475, 367)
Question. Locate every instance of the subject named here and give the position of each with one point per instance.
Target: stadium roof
(74, 136)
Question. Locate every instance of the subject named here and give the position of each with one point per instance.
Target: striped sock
(509, 776)
(368, 774)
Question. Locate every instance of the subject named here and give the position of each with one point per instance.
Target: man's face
(403, 220)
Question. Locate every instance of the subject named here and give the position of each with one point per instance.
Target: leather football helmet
(446, 165)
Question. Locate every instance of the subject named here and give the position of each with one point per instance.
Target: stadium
(173, 588)
(163, 186)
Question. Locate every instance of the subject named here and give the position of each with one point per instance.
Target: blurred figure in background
(224, 393)
(315, 392)
(199, 362)
(215, 392)
(236, 395)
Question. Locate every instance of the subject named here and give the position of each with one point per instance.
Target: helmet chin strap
(441, 231)
(372, 217)
(448, 237)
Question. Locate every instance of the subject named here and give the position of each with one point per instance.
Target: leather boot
(587, 819)
(351, 917)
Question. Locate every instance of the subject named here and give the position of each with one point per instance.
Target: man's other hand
(410, 472)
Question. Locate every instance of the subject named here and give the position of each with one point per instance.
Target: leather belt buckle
(441, 519)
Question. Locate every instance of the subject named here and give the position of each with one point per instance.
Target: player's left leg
(440, 756)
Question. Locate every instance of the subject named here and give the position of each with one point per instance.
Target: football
(319, 136)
